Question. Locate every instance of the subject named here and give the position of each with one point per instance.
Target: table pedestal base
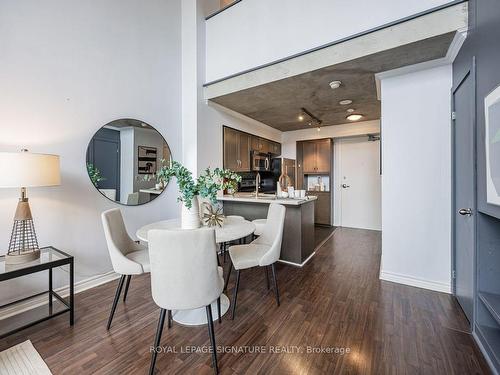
(198, 317)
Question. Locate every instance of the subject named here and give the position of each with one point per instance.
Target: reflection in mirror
(122, 160)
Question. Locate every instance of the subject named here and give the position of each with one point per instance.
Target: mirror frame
(136, 167)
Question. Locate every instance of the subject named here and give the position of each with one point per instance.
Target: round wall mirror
(123, 158)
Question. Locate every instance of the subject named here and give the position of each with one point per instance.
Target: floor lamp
(22, 170)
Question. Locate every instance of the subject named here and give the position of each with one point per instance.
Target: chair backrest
(184, 272)
(133, 199)
(272, 235)
(119, 242)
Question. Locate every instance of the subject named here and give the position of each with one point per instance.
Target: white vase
(190, 217)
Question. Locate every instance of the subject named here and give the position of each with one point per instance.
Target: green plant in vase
(94, 174)
(161, 176)
(206, 185)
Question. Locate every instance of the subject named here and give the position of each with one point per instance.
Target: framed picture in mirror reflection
(146, 160)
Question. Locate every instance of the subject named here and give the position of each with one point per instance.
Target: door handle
(345, 186)
(465, 211)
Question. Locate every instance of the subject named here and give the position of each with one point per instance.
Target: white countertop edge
(284, 201)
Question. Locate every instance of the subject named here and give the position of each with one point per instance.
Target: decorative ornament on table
(213, 216)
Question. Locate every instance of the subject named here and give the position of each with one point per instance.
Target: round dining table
(233, 229)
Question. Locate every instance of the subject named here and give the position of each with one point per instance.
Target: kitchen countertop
(266, 199)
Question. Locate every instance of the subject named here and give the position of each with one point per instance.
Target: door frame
(471, 72)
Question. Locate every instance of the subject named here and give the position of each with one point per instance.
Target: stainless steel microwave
(260, 161)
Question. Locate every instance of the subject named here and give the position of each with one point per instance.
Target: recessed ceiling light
(354, 117)
(350, 110)
(319, 129)
(345, 102)
(301, 117)
(310, 123)
(335, 84)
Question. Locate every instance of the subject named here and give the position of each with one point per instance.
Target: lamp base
(25, 257)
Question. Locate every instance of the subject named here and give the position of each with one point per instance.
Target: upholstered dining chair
(262, 252)
(184, 276)
(127, 256)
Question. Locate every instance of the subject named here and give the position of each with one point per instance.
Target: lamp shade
(26, 169)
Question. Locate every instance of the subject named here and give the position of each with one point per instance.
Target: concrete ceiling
(127, 123)
(278, 103)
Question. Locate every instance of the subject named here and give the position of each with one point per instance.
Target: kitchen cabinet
(323, 156)
(309, 157)
(236, 150)
(314, 159)
(244, 151)
(275, 148)
(238, 146)
(317, 156)
(256, 144)
(231, 149)
(265, 146)
(322, 208)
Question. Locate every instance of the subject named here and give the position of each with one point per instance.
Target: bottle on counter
(284, 182)
(320, 184)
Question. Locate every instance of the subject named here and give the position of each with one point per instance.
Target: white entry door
(358, 183)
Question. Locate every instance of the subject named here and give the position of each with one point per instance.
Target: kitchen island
(298, 234)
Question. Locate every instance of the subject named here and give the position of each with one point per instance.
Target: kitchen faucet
(257, 183)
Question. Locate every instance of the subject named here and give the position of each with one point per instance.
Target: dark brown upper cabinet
(265, 146)
(317, 156)
(236, 150)
(238, 145)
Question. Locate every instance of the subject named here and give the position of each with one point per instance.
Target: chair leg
(211, 333)
(169, 324)
(228, 275)
(159, 330)
(225, 252)
(127, 284)
(276, 291)
(218, 310)
(267, 276)
(235, 293)
(115, 302)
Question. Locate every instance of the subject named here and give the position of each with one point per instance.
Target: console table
(50, 258)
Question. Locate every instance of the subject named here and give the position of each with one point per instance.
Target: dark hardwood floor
(335, 301)
(321, 233)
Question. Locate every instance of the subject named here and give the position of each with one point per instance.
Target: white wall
(257, 32)
(416, 179)
(289, 139)
(202, 120)
(68, 67)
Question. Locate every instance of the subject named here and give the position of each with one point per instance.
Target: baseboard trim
(80, 286)
(310, 256)
(298, 264)
(412, 281)
(478, 338)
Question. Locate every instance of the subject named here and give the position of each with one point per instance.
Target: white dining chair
(184, 276)
(127, 256)
(133, 199)
(260, 224)
(262, 252)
